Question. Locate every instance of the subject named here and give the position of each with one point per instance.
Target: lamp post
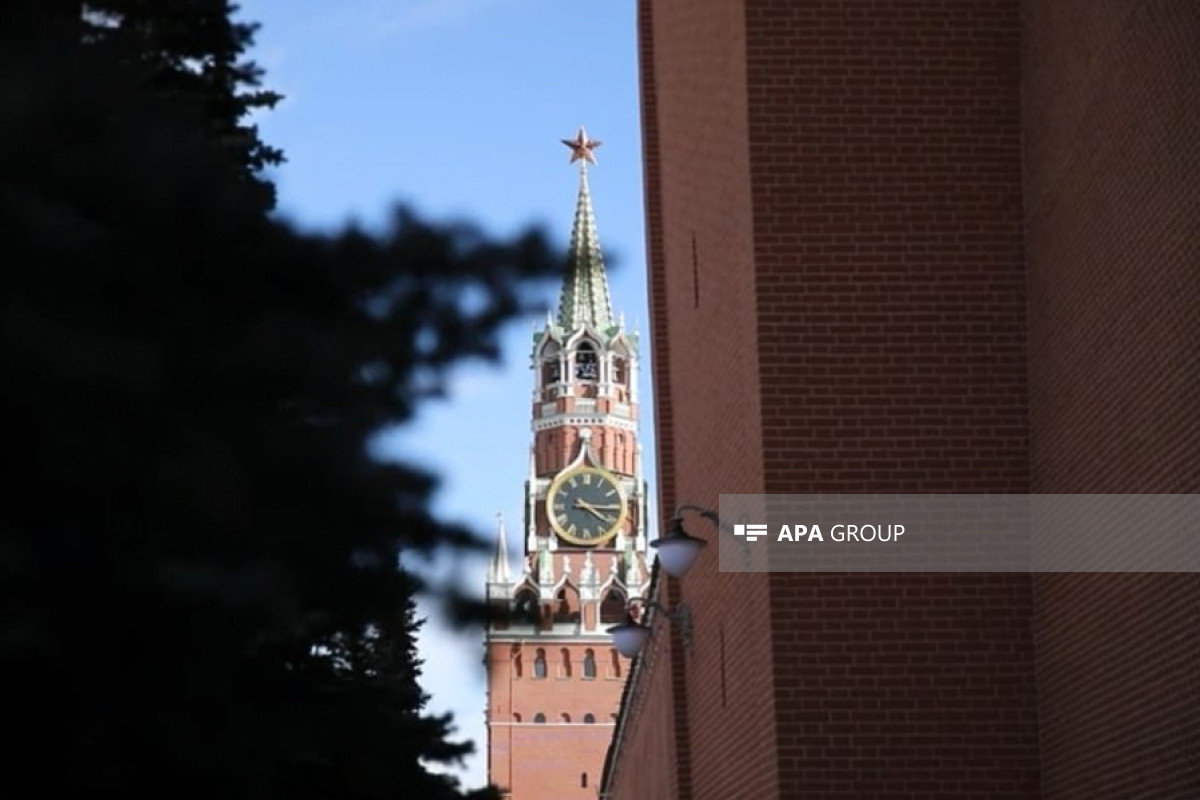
(677, 552)
(630, 637)
(678, 549)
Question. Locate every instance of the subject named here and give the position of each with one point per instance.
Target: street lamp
(678, 550)
(630, 637)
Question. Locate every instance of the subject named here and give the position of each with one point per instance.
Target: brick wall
(642, 762)
(706, 377)
(547, 761)
(857, 184)
(1112, 201)
(885, 157)
(835, 200)
(554, 759)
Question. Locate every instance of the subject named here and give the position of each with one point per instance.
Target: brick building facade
(921, 247)
(554, 678)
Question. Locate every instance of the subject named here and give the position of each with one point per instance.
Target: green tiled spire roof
(584, 300)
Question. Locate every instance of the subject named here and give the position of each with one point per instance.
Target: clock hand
(583, 503)
(592, 510)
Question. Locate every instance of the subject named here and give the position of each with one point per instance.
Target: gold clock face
(586, 506)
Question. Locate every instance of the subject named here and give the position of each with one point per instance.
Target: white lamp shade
(678, 553)
(629, 638)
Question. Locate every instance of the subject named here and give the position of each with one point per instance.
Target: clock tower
(554, 678)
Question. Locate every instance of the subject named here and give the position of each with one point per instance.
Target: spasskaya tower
(554, 678)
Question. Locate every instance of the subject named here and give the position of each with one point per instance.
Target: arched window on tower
(589, 719)
(564, 663)
(620, 369)
(551, 365)
(539, 664)
(525, 611)
(566, 607)
(550, 371)
(587, 366)
(518, 665)
(564, 718)
(615, 661)
(539, 718)
(589, 664)
(516, 717)
(612, 608)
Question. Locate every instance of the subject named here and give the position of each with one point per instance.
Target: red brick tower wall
(555, 448)
(705, 363)
(969, 230)
(646, 766)
(548, 761)
(886, 164)
(837, 291)
(1112, 205)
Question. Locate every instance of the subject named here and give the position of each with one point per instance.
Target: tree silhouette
(199, 555)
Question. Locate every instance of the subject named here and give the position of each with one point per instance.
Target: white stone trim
(571, 419)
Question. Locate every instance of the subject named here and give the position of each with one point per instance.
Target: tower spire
(584, 299)
(498, 570)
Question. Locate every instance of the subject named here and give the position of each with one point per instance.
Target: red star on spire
(582, 147)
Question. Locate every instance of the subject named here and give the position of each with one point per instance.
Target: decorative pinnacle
(581, 148)
(498, 570)
(584, 300)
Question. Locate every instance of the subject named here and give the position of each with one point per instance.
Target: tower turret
(584, 301)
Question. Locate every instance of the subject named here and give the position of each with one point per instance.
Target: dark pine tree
(192, 52)
(198, 555)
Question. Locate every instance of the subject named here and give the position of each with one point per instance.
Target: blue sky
(457, 106)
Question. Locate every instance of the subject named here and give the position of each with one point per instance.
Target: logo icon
(751, 532)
